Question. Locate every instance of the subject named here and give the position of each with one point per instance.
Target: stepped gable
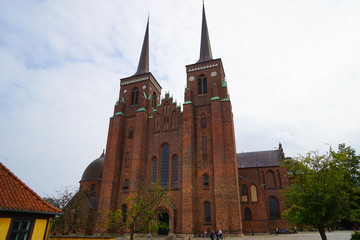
(270, 158)
(16, 196)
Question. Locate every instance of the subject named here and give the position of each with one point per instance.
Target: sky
(292, 71)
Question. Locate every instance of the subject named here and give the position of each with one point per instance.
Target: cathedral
(190, 151)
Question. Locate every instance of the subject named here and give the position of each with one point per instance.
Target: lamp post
(266, 208)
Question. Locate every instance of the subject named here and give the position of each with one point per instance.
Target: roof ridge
(28, 188)
(275, 150)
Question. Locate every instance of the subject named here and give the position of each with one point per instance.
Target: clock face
(125, 91)
(191, 78)
(144, 86)
(213, 74)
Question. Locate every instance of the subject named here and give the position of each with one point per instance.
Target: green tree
(141, 214)
(321, 194)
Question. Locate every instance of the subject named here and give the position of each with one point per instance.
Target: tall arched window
(270, 178)
(135, 96)
(126, 185)
(202, 84)
(203, 122)
(207, 211)
(164, 178)
(154, 100)
(206, 181)
(124, 212)
(175, 171)
(273, 208)
(154, 170)
(247, 214)
(244, 193)
(253, 193)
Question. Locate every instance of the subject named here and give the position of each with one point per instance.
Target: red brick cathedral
(192, 153)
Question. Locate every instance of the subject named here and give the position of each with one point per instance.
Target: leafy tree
(141, 214)
(322, 192)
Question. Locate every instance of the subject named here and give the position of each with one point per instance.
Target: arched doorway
(164, 218)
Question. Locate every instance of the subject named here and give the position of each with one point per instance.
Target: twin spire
(205, 48)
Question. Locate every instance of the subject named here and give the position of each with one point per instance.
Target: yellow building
(24, 215)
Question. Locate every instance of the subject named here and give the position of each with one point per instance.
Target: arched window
(126, 185)
(131, 133)
(247, 214)
(253, 193)
(203, 122)
(244, 193)
(273, 208)
(175, 171)
(164, 177)
(207, 211)
(206, 181)
(202, 84)
(270, 177)
(154, 104)
(124, 212)
(154, 170)
(204, 145)
(135, 96)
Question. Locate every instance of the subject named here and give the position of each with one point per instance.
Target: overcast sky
(292, 67)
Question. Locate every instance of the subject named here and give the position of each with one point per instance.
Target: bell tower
(210, 179)
(128, 131)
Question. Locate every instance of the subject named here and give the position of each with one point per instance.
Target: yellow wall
(39, 229)
(78, 238)
(4, 227)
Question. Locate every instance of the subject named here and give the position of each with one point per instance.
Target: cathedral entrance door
(164, 218)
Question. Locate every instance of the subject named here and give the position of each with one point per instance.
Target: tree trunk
(322, 232)
(131, 234)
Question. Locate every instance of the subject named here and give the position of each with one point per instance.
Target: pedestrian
(220, 234)
(149, 235)
(212, 235)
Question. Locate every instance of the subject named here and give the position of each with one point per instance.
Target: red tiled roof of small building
(16, 196)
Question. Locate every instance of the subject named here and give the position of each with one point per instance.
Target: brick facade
(192, 153)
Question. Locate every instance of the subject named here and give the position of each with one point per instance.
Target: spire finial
(205, 48)
(143, 66)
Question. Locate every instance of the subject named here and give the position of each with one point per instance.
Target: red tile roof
(16, 196)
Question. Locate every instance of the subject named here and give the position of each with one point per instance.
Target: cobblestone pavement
(344, 235)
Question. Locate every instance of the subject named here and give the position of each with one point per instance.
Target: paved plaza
(344, 235)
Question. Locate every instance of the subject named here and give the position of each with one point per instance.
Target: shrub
(355, 235)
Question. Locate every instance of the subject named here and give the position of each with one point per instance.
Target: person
(212, 235)
(220, 234)
(217, 235)
(149, 235)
